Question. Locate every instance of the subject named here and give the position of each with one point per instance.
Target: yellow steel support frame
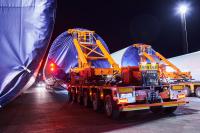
(178, 73)
(82, 60)
(143, 48)
(167, 62)
(148, 57)
(85, 48)
(175, 75)
(108, 56)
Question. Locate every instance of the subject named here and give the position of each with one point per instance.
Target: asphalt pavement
(41, 111)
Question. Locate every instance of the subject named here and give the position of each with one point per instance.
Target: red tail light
(52, 67)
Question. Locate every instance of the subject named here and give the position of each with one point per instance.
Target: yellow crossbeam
(91, 50)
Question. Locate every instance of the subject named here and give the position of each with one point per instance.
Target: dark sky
(124, 22)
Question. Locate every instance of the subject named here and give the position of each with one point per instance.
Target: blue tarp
(129, 56)
(25, 30)
(64, 54)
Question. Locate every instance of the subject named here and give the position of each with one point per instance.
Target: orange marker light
(122, 101)
(180, 96)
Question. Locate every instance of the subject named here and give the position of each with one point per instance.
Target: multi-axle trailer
(168, 72)
(116, 89)
(116, 99)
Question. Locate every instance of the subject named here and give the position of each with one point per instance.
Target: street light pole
(182, 10)
(185, 36)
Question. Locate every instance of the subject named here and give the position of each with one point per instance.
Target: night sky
(124, 22)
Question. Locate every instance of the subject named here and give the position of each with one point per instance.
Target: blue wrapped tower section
(64, 55)
(25, 30)
(129, 56)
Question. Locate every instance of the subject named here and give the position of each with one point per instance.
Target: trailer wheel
(197, 92)
(85, 99)
(170, 110)
(69, 97)
(157, 109)
(73, 97)
(79, 99)
(111, 108)
(48, 87)
(187, 91)
(95, 102)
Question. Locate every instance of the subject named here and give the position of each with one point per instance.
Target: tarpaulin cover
(64, 54)
(129, 56)
(25, 30)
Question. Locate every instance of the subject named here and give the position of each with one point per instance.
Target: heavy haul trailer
(177, 76)
(149, 55)
(113, 88)
(191, 87)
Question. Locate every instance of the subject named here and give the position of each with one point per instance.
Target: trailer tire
(69, 97)
(111, 109)
(197, 92)
(188, 91)
(79, 99)
(170, 110)
(157, 110)
(73, 95)
(85, 98)
(48, 87)
(96, 103)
